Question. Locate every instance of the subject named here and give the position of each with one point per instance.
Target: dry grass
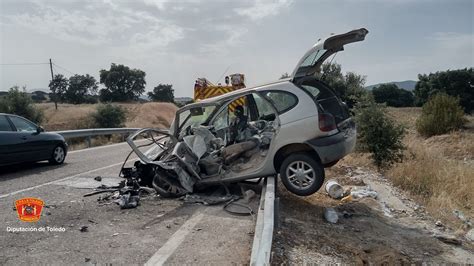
(438, 171)
(70, 116)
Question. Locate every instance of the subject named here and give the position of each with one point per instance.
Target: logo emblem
(29, 209)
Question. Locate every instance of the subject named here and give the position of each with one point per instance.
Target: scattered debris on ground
(334, 190)
(84, 228)
(375, 224)
(331, 215)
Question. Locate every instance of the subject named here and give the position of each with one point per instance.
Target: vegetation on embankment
(438, 171)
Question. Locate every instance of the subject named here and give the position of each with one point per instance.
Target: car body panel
(312, 60)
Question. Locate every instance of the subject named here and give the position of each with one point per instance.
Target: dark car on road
(23, 141)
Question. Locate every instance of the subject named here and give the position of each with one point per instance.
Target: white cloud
(98, 24)
(232, 37)
(160, 4)
(263, 8)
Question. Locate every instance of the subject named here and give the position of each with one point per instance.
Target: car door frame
(32, 147)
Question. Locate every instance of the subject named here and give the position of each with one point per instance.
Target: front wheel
(58, 156)
(301, 174)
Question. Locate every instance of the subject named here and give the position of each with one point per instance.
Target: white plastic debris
(334, 190)
(330, 215)
(463, 218)
(470, 235)
(363, 193)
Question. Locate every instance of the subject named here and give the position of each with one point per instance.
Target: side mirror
(39, 129)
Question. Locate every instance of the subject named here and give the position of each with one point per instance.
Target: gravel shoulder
(390, 228)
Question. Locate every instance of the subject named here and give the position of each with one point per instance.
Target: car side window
(23, 125)
(4, 124)
(282, 100)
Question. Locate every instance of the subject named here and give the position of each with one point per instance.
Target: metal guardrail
(262, 241)
(88, 133)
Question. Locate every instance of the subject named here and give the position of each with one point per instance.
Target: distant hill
(407, 85)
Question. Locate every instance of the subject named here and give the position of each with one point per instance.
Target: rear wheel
(301, 174)
(58, 156)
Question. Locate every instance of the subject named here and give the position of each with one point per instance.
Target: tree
(458, 83)
(284, 75)
(58, 87)
(20, 103)
(393, 95)
(81, 88)
(122, 83)
(162, 93)
(349, 87)
(378, 134)
(441, 114)
(109, 116)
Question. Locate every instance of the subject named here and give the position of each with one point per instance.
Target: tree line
(457, 83)
(120, 84)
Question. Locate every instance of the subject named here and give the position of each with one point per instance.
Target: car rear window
(22, 125)
(326, 99)
(4, 124)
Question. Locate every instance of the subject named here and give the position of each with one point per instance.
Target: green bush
(378, 134)
(109, 116)
(441, 114)
(20, 103)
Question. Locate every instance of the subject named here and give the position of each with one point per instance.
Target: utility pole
(54, 92)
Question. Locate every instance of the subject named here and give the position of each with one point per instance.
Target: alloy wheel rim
(59, 154)
(300, 174)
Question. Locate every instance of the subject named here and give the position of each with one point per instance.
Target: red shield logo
(29, 209)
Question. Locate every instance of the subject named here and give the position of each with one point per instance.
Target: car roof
(232, 94)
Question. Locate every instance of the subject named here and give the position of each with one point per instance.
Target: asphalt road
(158, 231)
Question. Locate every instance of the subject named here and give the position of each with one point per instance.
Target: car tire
(301, 174)
(58, 156)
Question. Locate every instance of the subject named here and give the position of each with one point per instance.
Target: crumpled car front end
(175, 167)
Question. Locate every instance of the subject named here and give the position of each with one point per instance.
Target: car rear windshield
(327, 101)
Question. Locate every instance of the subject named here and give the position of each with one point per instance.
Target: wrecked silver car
(294, 127)
(194, 154)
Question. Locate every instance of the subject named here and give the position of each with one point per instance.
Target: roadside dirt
(390, 229)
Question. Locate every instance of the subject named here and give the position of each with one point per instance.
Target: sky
(175, 42)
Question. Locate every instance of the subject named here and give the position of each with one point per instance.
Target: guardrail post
(88, 141)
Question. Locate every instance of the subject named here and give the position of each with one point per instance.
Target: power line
(64, 69)
(23, 64)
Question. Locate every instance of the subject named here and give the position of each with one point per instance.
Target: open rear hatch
(312, 60)
(326, 99)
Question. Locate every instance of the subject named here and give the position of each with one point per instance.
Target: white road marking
(162, 255)
(57, 181)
